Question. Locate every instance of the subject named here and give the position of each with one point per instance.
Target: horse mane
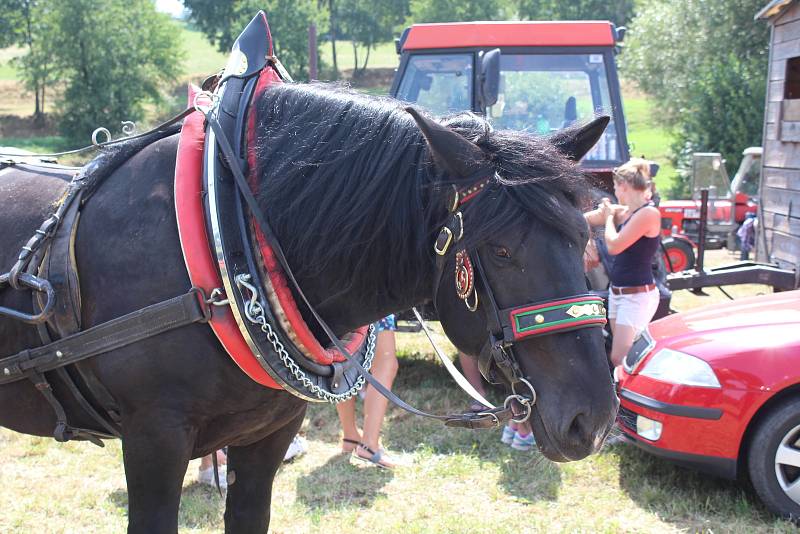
(342, 173)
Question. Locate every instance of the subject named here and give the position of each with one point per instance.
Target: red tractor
(729, 203)
(537, 77)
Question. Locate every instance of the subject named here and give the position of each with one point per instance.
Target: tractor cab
(537, 77)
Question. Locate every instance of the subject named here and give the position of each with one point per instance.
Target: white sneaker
(508, 435)
(298, 447)
(521, 443)
(206, 476)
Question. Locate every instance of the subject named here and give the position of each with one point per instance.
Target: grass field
(382, 56)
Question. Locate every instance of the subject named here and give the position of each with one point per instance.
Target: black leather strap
(150, 321)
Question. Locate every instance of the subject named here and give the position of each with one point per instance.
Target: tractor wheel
(679, 255)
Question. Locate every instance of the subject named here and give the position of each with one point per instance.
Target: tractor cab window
(441, 83)
(708, 172)
(543, 93)
(751, 179)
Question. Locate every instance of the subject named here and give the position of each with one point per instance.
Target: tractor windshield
(543, 93)
(441, 83)
(540, 91)
(708, 172)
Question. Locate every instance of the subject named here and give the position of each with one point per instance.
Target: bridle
(510, 325)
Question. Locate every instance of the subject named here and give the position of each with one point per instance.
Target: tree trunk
(29, 38)
(366, 60)
(332, 10)
(37, 110)
(355, 59)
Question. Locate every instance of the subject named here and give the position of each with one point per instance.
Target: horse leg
(156, 454)
(254, 467)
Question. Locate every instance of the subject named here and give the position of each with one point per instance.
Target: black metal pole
(701, 231)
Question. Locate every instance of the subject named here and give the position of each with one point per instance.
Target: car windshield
(543, 93)
(441, 83)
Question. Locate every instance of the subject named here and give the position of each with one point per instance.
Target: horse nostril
(580, 429)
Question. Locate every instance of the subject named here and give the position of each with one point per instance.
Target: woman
(365, 446)
(632, 233)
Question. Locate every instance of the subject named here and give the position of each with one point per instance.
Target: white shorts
(635, 309)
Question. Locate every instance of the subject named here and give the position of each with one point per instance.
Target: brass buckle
(442, 251)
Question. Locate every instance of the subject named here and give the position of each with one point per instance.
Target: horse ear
(577, 141)
(457, 155)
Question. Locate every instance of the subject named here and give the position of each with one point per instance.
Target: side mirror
(489, 79)
(620, 33)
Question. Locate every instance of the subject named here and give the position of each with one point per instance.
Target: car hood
(755, 324)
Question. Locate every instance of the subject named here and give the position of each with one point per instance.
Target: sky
(173, 7)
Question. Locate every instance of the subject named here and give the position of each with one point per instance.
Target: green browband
(560, 315)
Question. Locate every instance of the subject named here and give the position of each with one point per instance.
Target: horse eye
(502, 252)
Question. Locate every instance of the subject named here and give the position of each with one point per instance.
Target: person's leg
(623, 340)
(471, 371)
(206, 463)
(347, 418)
(384, 368)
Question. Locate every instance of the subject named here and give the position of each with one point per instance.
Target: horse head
(524, 234)
(357, 190)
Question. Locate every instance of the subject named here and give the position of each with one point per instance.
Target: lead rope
(487, 419)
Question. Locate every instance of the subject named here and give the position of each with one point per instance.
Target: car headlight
(680, 368)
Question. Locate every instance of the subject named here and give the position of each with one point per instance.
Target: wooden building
(778, 238)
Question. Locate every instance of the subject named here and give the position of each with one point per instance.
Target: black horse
(353, 191)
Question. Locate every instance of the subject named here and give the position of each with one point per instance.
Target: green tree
(221, 21)
(111, 59)
(369, 22)
(705, 61)
(25, 23)
(617, 11)
(457, 10)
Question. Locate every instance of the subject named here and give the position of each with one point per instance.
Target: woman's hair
(635, 173)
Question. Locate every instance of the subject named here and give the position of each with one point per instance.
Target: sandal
(345, 441)
(377, 459)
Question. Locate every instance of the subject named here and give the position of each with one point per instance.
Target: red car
(718, 389)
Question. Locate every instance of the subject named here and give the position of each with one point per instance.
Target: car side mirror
(489, 78)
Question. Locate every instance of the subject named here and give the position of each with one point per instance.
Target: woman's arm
(594, 217)
(646, 222)
(597, 217)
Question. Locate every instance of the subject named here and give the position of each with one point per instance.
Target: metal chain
(255, 314)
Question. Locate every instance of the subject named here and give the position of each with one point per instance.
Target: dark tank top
(633, 266)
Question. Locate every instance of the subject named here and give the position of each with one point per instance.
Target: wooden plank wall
(779, 232)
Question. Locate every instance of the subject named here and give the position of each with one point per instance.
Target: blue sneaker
(523, 443)
(508, 435)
